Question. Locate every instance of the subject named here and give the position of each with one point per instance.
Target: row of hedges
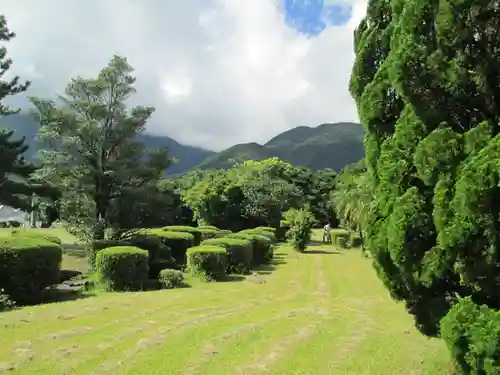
(127, 267)
(28, 264)
(127, 264)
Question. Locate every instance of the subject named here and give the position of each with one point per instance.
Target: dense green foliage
(301, 223)
(97, 161)
(427, 84)
(208, 262)
(326, 146)
(122, 268)
(27, 267)
(255, 194)
(239, 251)
(263, 249)
(195, 232)
(178, 242)
(170, 278)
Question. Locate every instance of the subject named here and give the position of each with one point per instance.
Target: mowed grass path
(317, 313)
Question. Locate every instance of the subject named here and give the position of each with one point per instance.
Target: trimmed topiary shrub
(160, 255)
(339, 233)
(281, 231)
(355, 241)
(178, 242)
(208, 262)
(223, 233)
(123, 268)
(27, 267)
(184, 228)
(239, 251)
(170, 278)
(261, 232)
(207, 227)
(207, 233)
(98, 245)
(37, 235)
(263, 249)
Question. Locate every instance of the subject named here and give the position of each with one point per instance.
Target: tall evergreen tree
(427, 85)
(14, 170)
(91, 151)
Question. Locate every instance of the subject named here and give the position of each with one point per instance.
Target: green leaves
(91, 149)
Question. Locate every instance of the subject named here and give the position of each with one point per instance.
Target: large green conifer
(427, 84)
(14, 170)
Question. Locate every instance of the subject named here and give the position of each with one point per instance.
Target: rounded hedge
(223, 233)
(184, 228)
(123, 268)
(261, 232)
(178, 242)
(208, 262)
(98, 245)
(207, 227)
(207, 233)
(27, 266)
(34, 234)
(240, 252)
(160, 255)
(262, 246)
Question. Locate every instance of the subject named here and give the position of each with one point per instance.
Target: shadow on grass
(63, 295)
(322, 252)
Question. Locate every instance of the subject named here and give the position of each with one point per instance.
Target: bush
(207, 233)
(178, 242)
(160, 255)
(36, 235)
(123, 268)
(170, 278)
(184, 228)
(301, 222)
(281, 231)
(260, 232)
(339, 233)
(355, 241)
(98, 245)
(223, 233)
(262, 246)
(5, 302)
(239, 251)
(343, 242)
(207, 262)
(27, 267)
(471, 333)
(207, 227)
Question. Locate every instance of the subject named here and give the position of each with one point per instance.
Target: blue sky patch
(311, 17)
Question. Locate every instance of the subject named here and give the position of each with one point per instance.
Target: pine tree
(427, 85)
(14, 170)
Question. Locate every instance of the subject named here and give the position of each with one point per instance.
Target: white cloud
(219, 72)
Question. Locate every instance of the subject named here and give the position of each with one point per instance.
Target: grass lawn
(317, 313)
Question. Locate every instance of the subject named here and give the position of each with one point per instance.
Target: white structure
(8, 213)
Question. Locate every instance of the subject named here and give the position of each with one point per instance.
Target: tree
(15, 189)
(352, 196)
(92, 152)
(426, 80)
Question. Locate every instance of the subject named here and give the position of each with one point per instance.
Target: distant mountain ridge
(326, 146)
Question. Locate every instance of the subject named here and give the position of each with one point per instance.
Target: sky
(218, 72)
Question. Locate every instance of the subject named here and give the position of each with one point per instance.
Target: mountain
(187, 156)
(326, 146)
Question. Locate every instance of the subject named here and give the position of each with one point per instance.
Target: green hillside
(326, 146)
(187, 156)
